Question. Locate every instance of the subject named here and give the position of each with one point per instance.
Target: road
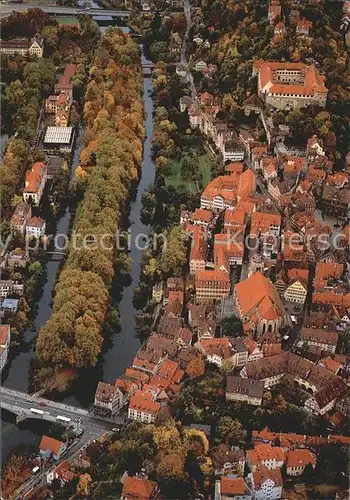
(20, 404)
(183, 60)
(6, 9)
(36, 481)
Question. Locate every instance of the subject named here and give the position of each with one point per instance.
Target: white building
(35, 227)
(108, 398)
(266, 484)
(296, 292)
(290, 85)
(23, 46)
(35, 183)
(5, 338)
(142, 407)
(9, 287)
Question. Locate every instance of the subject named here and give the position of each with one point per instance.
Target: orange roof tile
(137, 488)
(34, 177)
(232, 487)
(203, 215)
(212, 276)
(51, 444)
(300, 458)
(142, 401)
(246, 184)
(258, 292)
(331, 365)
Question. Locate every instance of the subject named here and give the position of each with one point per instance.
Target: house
(228, 250)
(324, 400)
(157, 292)
(336, 202)
(10, 287)
(296, 292)
(290, 85)
(200, 66)
(108, 398)
(62, 472)
(64, 84)
(279, 29)
(35, 183)
(303, 27)
(139, 488)
(231, 149)
(259, 305)
(271, 457)
(326, 339)
(252, 105)
(329, 364)
(297, 460)
(244, 390)
(217, 350)
(266, 484)
(254, 353)
(23, 46)
(9, 306)
(220, 193)
(35, 227)
(202, 217)
(227, 460)
(246, 184)
(5, 338)
(232, 488)
(265, 223)
(274, 12)
(20, 217)
(51, 447)
(198, 252)
(142, 408)
(324, 387)
(212, 285)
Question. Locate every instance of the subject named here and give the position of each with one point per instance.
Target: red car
(41, 403)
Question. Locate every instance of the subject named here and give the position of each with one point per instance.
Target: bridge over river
(7, 9)
(25, 406)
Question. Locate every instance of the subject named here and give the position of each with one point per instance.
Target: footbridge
(25, 406)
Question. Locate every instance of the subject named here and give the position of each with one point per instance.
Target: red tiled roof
(313, 81)
(49, 443)
(232, 487)
(300, 458)
(203, 215)
(136, 488)
(33, 177)
(142, 401)
(212, 276)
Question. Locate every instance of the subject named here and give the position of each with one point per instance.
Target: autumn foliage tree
(109, 163)
(195, 368)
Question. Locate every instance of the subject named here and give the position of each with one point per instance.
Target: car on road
(41, 403)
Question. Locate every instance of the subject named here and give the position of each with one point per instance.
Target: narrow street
(187, 12)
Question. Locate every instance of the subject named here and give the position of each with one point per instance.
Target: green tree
(231, 431)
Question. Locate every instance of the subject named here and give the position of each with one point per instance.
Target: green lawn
(183, 185)
(68, 20)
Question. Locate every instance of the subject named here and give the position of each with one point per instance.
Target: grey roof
(248, 387)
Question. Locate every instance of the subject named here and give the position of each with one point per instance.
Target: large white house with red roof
(35, 182)
(290, 85)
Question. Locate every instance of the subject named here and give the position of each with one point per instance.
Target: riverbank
(113, 117)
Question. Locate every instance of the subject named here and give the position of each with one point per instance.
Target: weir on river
(121, 347)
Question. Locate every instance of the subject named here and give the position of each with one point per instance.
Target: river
(120, 348)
